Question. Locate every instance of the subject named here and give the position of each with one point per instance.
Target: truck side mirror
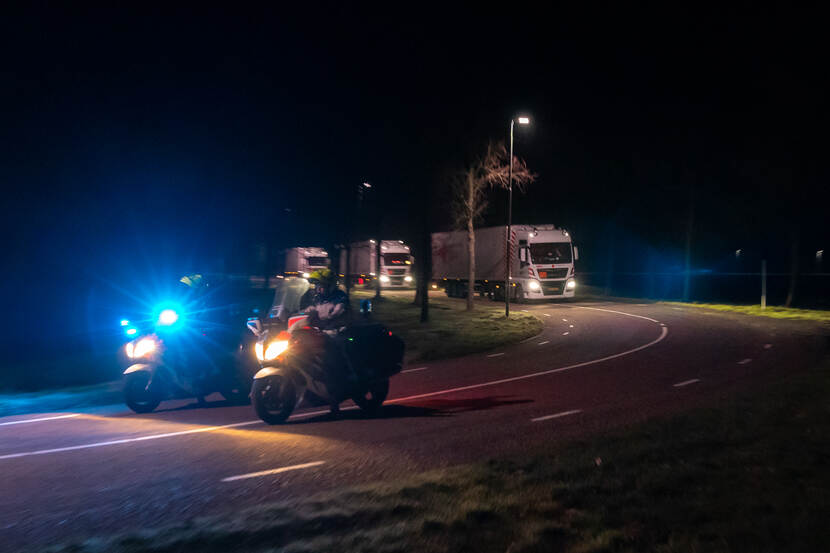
(576, 253)
(523, 255)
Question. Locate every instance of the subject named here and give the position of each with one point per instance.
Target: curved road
(594, 366)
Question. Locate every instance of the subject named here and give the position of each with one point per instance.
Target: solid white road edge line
(127, 440)
(158, 436)
(543, 343)
(495, 354)
(41, 419)
(273, 471)
(556, 416)
(413, 370)
(664, 331)
(686, 383)
(618, 312)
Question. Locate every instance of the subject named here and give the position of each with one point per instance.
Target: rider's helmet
(324, 281)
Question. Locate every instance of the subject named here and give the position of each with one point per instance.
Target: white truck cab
(546, 258)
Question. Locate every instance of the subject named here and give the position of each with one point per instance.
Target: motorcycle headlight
(140, 348)
(274, 350)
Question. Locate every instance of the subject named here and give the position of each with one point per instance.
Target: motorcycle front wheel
(273, 398)
(374, 396)
(139, 395)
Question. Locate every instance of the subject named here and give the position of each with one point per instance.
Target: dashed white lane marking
(546, 314)
(767, 346)
(495, 354)
(413, 370)
(565, 333)
(41, 419)
(556, 415)
(570, 326)
(744, 361)
(565, 320)
(663, 333)
(618, 312)
(686, 383)
(273, 471)
(543, 343)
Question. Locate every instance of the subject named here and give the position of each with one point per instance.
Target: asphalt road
(594, 366)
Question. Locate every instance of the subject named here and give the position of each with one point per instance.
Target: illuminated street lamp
(508, 257)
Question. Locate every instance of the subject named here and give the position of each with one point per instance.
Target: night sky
(142, 144)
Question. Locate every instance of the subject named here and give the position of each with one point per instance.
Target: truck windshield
(318, 261)
(396, 259)
(552, 252)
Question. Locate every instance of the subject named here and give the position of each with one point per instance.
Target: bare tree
(470, 188)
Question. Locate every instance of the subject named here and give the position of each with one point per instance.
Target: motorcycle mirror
(365, 307)
(254, 325)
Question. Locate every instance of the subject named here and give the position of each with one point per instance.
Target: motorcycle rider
(328, 312)
(328, 307)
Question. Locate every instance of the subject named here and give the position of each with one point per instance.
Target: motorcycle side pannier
(374, 349)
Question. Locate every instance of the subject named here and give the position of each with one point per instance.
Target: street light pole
(507, 241)
(508, 258)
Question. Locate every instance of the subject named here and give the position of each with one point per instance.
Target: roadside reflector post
(763, 284)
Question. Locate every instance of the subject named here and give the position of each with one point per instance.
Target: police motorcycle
(193, 346)
(301, 364)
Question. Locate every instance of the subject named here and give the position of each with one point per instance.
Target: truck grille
(553, 273)
(396, 271)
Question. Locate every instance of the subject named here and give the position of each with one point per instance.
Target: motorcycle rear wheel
(138, 394)
(374, 396)
(273, 398)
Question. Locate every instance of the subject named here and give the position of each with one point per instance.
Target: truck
(395, 264)
(541, 262)
(303, 261)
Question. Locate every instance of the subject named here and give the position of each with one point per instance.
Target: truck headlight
(407, 278)
(384, 279)
(534, 285)
(571, 284)
(140, 348)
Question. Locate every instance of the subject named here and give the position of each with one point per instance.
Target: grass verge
(770, 311)
(748, 476)
(451, 331)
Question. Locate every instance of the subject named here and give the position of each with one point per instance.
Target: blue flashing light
(124, 322)
(131, 331)
(168, 317)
